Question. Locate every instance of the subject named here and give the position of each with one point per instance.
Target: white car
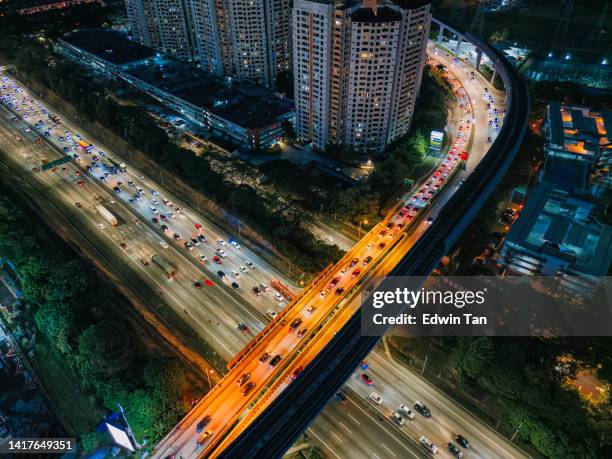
(235, 244)
(221, 242)
(406, 411)
(272, 313)
(236, 274)
(243, 269)
(311, 309)
(221, 253)
(376, 398)
(324, 293)
(278, 296)
(249, 264)
(202, 258)
(428, 444)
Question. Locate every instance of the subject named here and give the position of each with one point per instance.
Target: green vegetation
(404, 159)
(87, 350)
(521, 382)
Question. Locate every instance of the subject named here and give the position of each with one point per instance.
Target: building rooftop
(577, 129)
(560, 225)
(566, 174)
(109, 45)
(382, 14)
(243, 103)
(411, 4)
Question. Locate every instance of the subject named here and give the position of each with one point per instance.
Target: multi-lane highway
(208, 304)
(278, 355)
(214, 308)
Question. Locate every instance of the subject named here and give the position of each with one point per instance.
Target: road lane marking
(336, 436)
(343, 425)
(351, 416)
(312, 432)
(383, 427)
(387, 448)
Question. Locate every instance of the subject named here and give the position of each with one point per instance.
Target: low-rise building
(245, 113)
(578, 149)
(557, 234)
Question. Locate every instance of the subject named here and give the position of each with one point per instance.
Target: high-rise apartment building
(247, 39)
(357, 69)
(163, 24)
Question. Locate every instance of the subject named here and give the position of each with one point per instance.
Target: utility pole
(128, 428)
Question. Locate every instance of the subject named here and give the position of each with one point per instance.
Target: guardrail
(274, 430)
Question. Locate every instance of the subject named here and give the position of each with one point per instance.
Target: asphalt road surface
(359, 434)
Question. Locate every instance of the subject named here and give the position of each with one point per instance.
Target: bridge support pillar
(494, 75)
(458, 47)
(441, 33)
(478, 59)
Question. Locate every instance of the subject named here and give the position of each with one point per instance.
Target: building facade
(165, 25)
(246, 39)
(357, 69)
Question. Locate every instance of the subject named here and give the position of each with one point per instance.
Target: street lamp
(208, 377)
(365, 222)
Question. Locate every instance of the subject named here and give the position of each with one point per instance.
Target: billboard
(435, 140)
(120, 437)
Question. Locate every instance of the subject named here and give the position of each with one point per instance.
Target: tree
(34, 272)
(63, 284)
(56, 321)
(478, 355)
(104, 348)
(167, 380)
(90, 441)
(500, 35)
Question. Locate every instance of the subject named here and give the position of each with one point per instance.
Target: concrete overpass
(275, 430)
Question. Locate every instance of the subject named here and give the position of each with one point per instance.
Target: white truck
(108, 216)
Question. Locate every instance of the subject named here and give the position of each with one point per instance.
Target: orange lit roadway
(335, 294)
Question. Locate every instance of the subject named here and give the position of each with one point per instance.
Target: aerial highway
(295, 407)
(148, 240)
(288, 344)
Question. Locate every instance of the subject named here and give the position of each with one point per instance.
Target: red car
(80, 182)
(198, 227)
(208, 282)
(296, 372)
(356, 273)
(217, 260)
(366, 378)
